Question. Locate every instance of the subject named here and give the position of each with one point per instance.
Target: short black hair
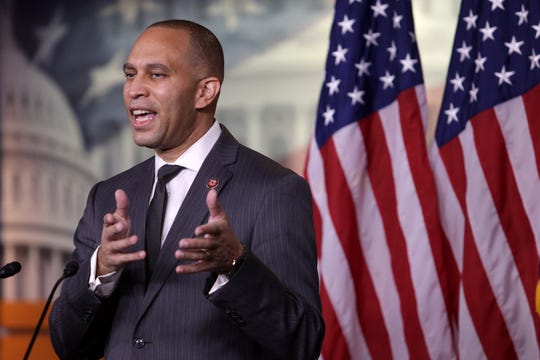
(205, 46)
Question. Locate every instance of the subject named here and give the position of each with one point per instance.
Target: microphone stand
(70, 270)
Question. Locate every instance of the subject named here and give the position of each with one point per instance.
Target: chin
(144, 142)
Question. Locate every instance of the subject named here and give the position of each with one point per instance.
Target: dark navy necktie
(155, 216)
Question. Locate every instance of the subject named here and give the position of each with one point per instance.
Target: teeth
(140, 112)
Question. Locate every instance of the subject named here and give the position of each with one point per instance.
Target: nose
(135, 87)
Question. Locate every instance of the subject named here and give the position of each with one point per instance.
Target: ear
(207, 91)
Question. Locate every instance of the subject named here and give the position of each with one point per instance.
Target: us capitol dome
(45, 174)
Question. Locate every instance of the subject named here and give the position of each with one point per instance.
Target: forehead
(158, 43)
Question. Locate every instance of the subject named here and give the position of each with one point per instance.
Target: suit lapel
(139, 191)
(193, 211)
(139, 203)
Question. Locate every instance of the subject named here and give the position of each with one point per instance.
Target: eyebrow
(152, 66)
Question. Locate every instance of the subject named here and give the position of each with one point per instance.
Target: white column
(9, 286)
(32, 275)
(56, 269)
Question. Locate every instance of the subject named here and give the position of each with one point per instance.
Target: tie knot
(167, 172)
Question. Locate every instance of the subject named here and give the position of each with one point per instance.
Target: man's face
(160, 90)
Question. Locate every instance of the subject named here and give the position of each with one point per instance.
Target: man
(236, 274)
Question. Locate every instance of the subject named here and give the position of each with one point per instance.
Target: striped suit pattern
(270, 309)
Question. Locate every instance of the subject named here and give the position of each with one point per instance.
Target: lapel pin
(212, 183)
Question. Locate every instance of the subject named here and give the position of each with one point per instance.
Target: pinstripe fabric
(269, 310)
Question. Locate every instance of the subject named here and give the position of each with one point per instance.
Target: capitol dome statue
(45, 173)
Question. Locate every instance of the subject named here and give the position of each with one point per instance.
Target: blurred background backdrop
(63, 123)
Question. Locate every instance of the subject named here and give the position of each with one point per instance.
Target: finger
(117, 259)
(214, 207)
(120, 245)
(112, 256)
(109, 261)
(196, 244)
(199, 255)
(122, 204)
(113, 227)
(195, 267)
(109, 220)
(209, 230)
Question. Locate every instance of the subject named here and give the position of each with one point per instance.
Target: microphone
(10, 269)
(70, 269)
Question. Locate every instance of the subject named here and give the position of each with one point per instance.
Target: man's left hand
(215, 246)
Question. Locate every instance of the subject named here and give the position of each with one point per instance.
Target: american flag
(486, 160)
(381, 262)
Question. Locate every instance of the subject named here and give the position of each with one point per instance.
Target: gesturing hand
(215, 245)
(115, 240)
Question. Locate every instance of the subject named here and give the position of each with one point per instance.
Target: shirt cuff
(104, 285)
(221, 280)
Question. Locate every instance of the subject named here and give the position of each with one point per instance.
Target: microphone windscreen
(71, 269)
(15, 267)
(10, 269)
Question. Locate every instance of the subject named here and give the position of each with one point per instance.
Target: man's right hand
(115, 239)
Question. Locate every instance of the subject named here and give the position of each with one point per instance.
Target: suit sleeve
(274, 296)
(79, 319)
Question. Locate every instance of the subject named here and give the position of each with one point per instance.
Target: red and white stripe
(382, 264)
(488, 184)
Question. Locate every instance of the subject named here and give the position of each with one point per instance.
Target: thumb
(214, 207)
(122, 204)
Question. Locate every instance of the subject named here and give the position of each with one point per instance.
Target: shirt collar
(194, 156)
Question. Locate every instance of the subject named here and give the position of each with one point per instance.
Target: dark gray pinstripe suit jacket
(270, 309)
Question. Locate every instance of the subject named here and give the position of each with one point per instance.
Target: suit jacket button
(139, 343)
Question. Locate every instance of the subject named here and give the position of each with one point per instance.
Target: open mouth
(142, 115)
